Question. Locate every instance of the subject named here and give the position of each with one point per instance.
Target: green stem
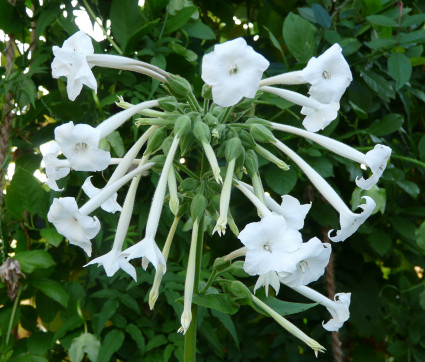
(195, 103)
(209, 282)
(93, 15)
(12, 316)
(178, 165)
(190, 336)
(408, 159)
(225, 115)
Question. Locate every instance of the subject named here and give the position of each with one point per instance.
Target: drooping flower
(375, 159)
(70, 61)
(291, 209)
(78, 228)
(55, 168)
(349, 221)
(338, 308)
(10, 272)
(313, 257)
(79, 143)
(234, 71)
(318, 115)
(329, 75)
(111, 205)
(270, 243)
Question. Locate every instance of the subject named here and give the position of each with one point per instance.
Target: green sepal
(251, 162)
(178, 86)
(233, 149)
(168, 104)
(202, 132)
(198, 206)
(262, 133)
(155, 140)
(182, 126)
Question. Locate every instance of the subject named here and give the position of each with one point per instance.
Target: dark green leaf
(381, 20)
(156, 341)
(299, 36)
(137, 336)
(275, 43)
(100, 319)
(52, 289)
(281, 182)
(126, 19)
(228, 323)
(410, 187)
(116, 143)
(181, 18)
(380, 85)
(417, 36)
(286, 308)
(380, 242)
(400, 69)
(110, 344)
(34, 259)
(198, 29)
(416, 19)
(321, 15)
(10, 21)
(51, 236)
(381, 43)
(420, 235)
(47, 17)
(220, 302)
(387, 125)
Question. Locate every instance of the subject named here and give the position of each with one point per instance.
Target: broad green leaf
(221, 302)
(421, 148)
(47, 17)
(415, 19)
(228, 323)
(381, 20)
(380, 85)
(181, 18)
(417, 36)
(322, 165)
(9, 18)
(51, 236)
(34, 259)
(25, 193)
(85, 343)
(275, 100)
(417, 61)
(197, 29)
(158, 340)
(274, 41)
(371, 6)
(107, 311)
(281, 182)
(39, 342)
(404, 227)
(188, 54)
(285, 308)
(308, 14)
(381, 43)
(321, 15)
(349, 46)
(386, 125)
(420, 235)
(137, 336)
(110, 344)
(52, 289)
(299, 36)
(126, 19)
(400, 69)
(410, 187)
(422, 299)
(380, 241)
(130, 302)
(139, 34)
(116, 143)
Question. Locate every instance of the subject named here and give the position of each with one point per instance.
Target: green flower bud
(202, 132)
(166, 144)
(198, 206)
(155, 140)
(188, 184)
(247, 139)
(210, 120)
(262, 133)
(251, 162)
(168, 104)
(239, 290)
(179, 87)
(182, 126)
(221, 264)
(206, 91)
(256, 120)
(244, 105)
(159, 162)
(218, 131)
(237, 269)
(233, 149)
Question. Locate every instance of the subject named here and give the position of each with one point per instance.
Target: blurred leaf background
(67, 312)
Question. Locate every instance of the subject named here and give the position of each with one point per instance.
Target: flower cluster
(273, 247)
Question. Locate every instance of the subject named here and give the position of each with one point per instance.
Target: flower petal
(376, 160)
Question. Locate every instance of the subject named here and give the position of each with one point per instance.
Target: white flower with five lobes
(234, 71)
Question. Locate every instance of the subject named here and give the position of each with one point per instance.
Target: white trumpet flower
(55, 168)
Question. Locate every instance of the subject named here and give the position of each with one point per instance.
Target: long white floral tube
(254, 199)
(338, 308)
(375, 159)
(108, 190)
(349, 221)
(112, 123)
(285, 78)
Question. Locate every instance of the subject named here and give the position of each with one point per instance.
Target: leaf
(25, 193)
(197, 29)
(281, 182)
(34, 259)
(380, 85)
(181, 18)
(321, 15)
(220, 302)
(349, 46)
(110, 344)
(285, 308)
(137, 336)
(420, 235)
(416, 19)
(116, 143)
(51, 236)
(107, 311)
(417, 36)
(156, 341)
(126, 19)
(85, 343)
(275, 43)
(381, 43)
(10, 21)
(275, 100)
(381, 20)
(386, 125)
(400, 69)
(188, 54)
(380, 241)
(299, 36)
(228, 323)
(47, 17)
(130, 302)
(52, 289)
(377, 194)
(422, 299)
(410, 187)
(404, 227)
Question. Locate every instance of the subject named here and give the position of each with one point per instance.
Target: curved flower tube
(348, 220)
(338, 308)
(110, 205)
(234, 71)
(375, 159)
(318, 115)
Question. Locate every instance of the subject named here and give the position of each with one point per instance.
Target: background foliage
(68, 312)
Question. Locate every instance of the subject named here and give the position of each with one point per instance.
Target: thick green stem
(190, 336)
(12, 316)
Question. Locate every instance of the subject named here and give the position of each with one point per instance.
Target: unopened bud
(168, 104)
(155, 140)
(206, 91)
(233, 149)
(179, 86)
(182, 126)
(262, 134)
(251, 162)
(198, 206)
(202, 132)
(247, 139)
